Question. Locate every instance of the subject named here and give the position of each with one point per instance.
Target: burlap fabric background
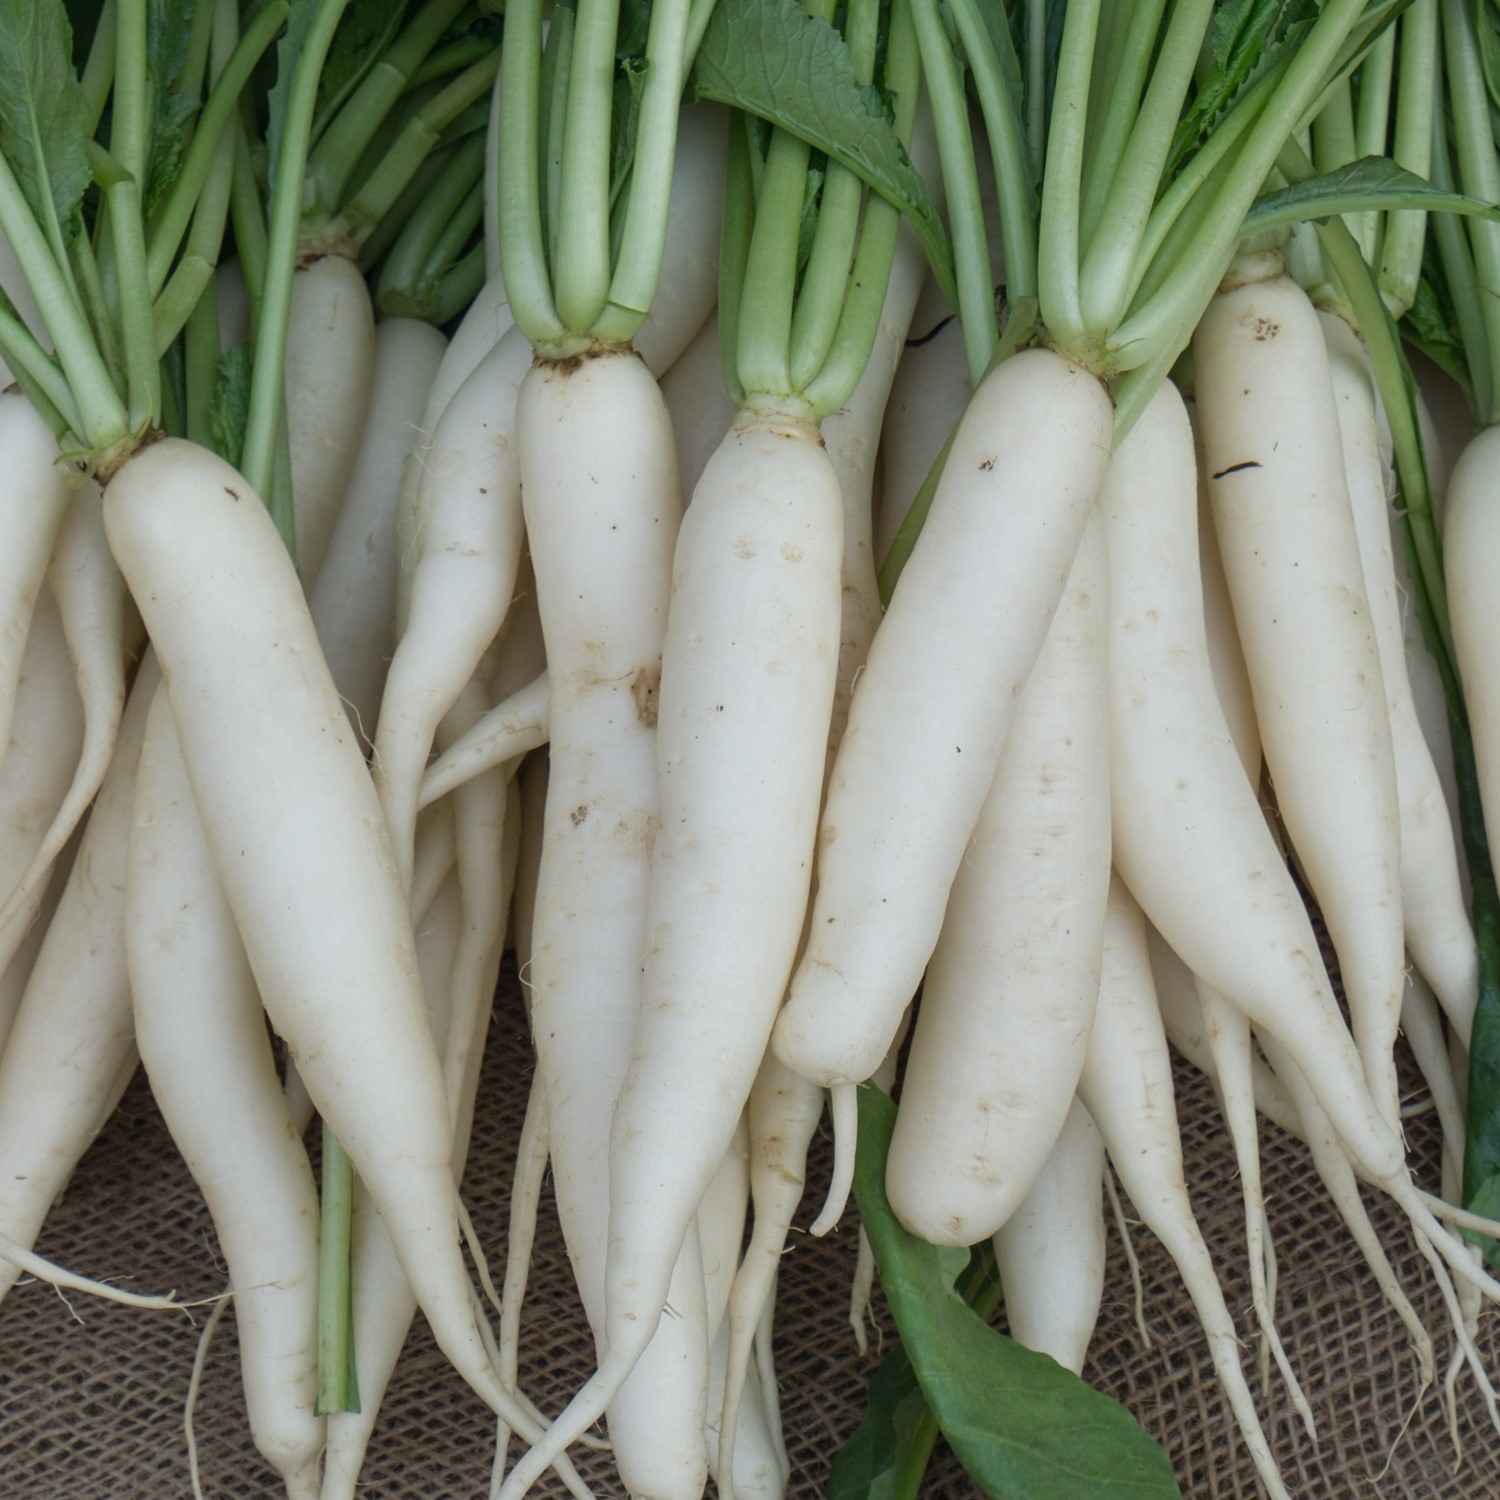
(91, 1407)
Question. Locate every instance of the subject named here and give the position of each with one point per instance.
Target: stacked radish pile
(1058, 735)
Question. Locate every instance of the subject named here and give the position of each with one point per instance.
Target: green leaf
(44, 122)
(1020, 1424)
(363, 35)
(288, 50)
(169, 108)
(1246, 38)
(893, 1438)
(1372, 182)
(231, 404)
(771, 59)
(1486, 23)
(1430, 325)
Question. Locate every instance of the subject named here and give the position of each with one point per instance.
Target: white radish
(71, 1049)
(927, 399)
(353, 598)
(1051, 1250)
(330, 361)
(35, 491)
(782, 1113)
(1438, 931)
(1008, 1002)
(698, 400)
(46, 739)
(102, 631)
(748, 672)
(468, 545)
(1127, 1089)
(510, 729)
(1182, 1017)
(202, 1037)
(1268, 422)
(204, 561)
(1189, 837)
(603, 503)
(931, 709)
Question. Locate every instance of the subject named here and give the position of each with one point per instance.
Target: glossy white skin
(748, 674)
(756, 1459)
(72, 1046)
(782, 1114)
(330, 361)
(486, 322)
(1471, 539)
(1008, 1001)
(1291, 555)
(852, 438)
(721, 1223)
(1421, 1025)
(102, 631)
(1182, 1016)
(1127, 1088)
(202, 1037)
(603, 506)
(310, 874)
(933, 704)
(1189, 837)
(467, 548)
(46, 738)
(1051, 1250)
(511, 728)
(1438, 931)
(353, 597)
(1331, 1161)
(35, 490)
(927, 398)
(698, 400)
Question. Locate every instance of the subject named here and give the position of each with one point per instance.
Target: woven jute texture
(91, 1406)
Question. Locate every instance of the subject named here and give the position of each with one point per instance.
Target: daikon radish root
(1187, 1031)
(203, 559)
(1007, 1004)
(45, 743)
(71, 1047)
(103, 633)
(1268, 421)
(932, 706)
(330, 363)
(927, 399)
(782, 1114)
(1127, 1088)
(36, 488)
(1189, 837)
(353, 597)
(202, 1038)
(1051, 1250)
(1438, 931)
(603, 504)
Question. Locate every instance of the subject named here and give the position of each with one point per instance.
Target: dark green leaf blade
(363, 35)
(1372, 182)
(771, 59)
(44, 118)
(1021, 1424)
(170, 107)
(1246, 37)
(231, 404)
(897, 1423)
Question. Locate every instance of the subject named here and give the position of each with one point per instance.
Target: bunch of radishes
(820, 738)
